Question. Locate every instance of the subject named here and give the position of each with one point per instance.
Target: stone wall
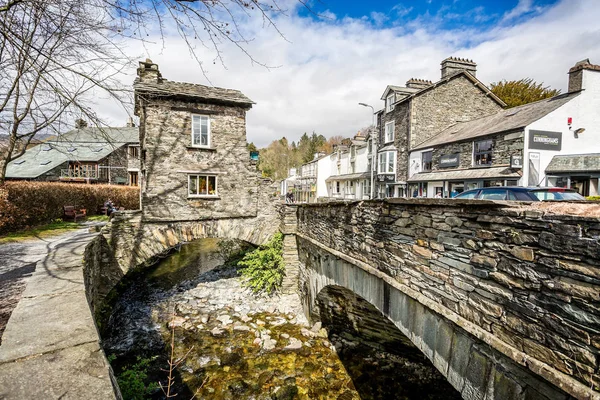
(401, 116)
(457, 100)
(504, 146)
(168, 158)
(526, 280)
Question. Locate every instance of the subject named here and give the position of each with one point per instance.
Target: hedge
(26, 204)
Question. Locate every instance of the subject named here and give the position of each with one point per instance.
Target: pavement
(50, 348)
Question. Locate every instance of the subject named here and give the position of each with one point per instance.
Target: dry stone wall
(530, 279)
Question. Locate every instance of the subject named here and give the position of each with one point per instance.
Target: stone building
(194, 161)
(415, 113)
(84, 154)
(552, 142)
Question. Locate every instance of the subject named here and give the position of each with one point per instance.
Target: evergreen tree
(524, 91)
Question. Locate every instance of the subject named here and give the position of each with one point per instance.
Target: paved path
(50, 348)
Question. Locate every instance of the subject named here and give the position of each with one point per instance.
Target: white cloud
(327, 67)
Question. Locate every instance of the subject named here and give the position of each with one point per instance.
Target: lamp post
(373, 148)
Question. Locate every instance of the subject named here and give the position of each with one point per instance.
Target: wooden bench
(72, 212)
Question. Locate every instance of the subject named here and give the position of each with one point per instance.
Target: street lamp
(373, 149)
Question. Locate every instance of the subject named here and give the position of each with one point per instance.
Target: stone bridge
(502, 298)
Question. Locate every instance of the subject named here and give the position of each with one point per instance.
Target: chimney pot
(148, 72)
(414, 83)
(453, 65)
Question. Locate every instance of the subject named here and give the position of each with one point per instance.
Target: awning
(574, 163)
(349, 177)
(467, 174)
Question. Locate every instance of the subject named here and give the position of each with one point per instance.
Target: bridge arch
(471, 366)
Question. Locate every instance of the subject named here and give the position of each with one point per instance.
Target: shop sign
(386, 178)
(545, 140)
(449, 160)
(516, 161)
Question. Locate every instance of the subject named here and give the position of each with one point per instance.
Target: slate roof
(87, 144)
(465, 174)
(348, 177)
(512, 119)
(208, 93)
(574, 163)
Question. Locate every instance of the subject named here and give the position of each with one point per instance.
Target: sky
(321, 62)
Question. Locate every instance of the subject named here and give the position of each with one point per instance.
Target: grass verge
(53, 228)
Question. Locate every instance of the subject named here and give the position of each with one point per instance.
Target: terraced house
(418, 111)
(194, 161)
(552, 142)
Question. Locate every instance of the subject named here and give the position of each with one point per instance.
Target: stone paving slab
(79, 372)
(50, 348)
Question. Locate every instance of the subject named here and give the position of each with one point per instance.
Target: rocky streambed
(227, 343)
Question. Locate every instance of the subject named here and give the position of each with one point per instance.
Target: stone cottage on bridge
(194, 161)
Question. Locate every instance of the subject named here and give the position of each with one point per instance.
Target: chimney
(130, 123)
(453, 65)
(148, 72)
(80, 124)
(418, 83)
(578, 78)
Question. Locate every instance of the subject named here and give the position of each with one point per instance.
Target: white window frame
(385, 157)
(201, 118)
(389, 132)
(202, 195)
(389, 102)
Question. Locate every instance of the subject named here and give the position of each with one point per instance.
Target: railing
(84, 174)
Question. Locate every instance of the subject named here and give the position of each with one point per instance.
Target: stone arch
(470, 365)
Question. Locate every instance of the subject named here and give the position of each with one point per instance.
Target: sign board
(516, 161)
(545, 140)
(449, 160)
(386, 178)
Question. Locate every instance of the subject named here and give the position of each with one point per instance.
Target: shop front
(575, 171)
(447, 184)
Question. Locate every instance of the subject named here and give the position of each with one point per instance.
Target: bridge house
(552, 142)
(194, 159)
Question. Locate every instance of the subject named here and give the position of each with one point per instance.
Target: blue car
(521, 193)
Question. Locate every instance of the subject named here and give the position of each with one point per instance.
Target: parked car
(521, 193)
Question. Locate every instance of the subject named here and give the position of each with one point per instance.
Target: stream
(230, 344)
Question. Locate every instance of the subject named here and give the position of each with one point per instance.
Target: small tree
(523, 91)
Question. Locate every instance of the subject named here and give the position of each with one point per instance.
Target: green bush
(27, 204)
(132, 381)
(263, 268)
(593, 198)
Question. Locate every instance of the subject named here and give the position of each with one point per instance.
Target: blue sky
(446, 14)
(324, 66)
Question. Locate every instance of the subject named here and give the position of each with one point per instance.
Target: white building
(350, 178)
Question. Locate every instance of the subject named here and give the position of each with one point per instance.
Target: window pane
(212, 185)
(203, 185)
(390, 162)
(193, 185)
(494, 194)
(204, 139)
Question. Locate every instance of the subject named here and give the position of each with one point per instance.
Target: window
(370, 147)
(367, 188)
(200, 131)
(350, 187)
(133, 178)
(134, 151)
(352, 151)
(482, 152)
(202, 185)
(389, 102)
(389, 131)
(352, 167)
(337, 187)
(426, 158)
(493, 194)
(387, 162)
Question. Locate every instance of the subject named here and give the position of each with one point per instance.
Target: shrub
(593, 198)
(133, 381)
(263, 268)
(26, 204)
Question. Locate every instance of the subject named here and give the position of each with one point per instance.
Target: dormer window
(389, 102)
(200, 131)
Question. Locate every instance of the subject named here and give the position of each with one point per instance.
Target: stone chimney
(80, 124)
(418, 83)
(148, 72)
(130, 123)
(452, 65)
(577, 75)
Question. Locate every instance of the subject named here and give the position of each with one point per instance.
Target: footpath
(50, 348)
